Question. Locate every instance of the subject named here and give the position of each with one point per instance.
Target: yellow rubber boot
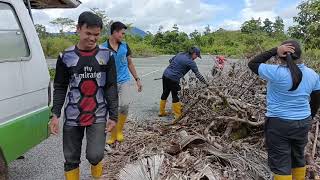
(176, 107)
(113, 136)
(299, 173)
(96, 171)
(163, 108)
(282, 177)
(73, 174)
(119, 127)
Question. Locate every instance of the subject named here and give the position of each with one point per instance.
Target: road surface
(45, 161)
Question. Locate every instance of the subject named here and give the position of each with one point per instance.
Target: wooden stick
(315, 141)
(259, 123)
(249, 86)
(228, 130)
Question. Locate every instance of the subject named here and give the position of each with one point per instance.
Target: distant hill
(138, 32)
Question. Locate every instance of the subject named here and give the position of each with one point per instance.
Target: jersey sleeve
(268, 72)
(129, 52)
(193, 66)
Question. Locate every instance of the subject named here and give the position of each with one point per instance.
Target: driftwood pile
(220, 135)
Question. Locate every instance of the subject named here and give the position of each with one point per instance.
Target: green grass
(232, 44)
(52, 73)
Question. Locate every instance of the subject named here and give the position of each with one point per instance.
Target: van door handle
(25, 58)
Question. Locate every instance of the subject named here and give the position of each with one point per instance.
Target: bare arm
(315, 102)
(133, 71)
(132, 68)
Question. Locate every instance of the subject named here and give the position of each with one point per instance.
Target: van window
(13, 43)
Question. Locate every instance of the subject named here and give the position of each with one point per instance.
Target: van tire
(3, 167)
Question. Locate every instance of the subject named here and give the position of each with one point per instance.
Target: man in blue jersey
(125, 66)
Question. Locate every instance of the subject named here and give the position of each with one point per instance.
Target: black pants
(72, 142)
(286, 141)
(170, 86)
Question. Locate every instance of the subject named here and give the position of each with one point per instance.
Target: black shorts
(286, 141)
(170, 86)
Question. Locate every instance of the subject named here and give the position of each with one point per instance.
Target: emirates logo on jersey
(88, 74)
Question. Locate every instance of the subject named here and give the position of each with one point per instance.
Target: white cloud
(289, 12)
(146, 14)
(248, 13)
(187, 14)
(261, 5)
(253, 9)
(267, 9)
(41, 17)
(259, 9)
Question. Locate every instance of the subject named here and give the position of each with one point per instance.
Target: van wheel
(3, 168)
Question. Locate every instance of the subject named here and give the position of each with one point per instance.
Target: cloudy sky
(148, 15)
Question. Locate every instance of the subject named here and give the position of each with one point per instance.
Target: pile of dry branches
(220, 135)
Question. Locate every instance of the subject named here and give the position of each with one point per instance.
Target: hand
(54, 125)
(139, 85)
(110, 125)
(284, 49)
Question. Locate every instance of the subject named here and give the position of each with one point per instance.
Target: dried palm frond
(147, 168)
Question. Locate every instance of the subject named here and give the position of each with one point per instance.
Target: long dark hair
(290, 59)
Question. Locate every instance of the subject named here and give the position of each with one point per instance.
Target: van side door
(13, 48)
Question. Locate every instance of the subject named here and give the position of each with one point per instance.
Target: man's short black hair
(90, 20)
(117, 26)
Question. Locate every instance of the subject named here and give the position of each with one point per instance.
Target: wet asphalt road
(45, 161)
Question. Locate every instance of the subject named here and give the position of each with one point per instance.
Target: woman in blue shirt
(293, 93)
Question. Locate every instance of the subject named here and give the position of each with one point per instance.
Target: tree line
(255, 35)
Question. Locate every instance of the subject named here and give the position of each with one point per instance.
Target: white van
(24, 79)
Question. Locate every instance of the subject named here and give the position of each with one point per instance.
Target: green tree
(129, 26)
(160, 29)
(207, 30)
(278, 26)
(308, 24)
(195, 34)
(158, 38)
(105, 20)
(196, 37)
(63, 23)
(41, 30)
(175, 28)
(251, 26)
(221, 30)
(148, 38)
(170, 42)
(267, 26)
(295, 32)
